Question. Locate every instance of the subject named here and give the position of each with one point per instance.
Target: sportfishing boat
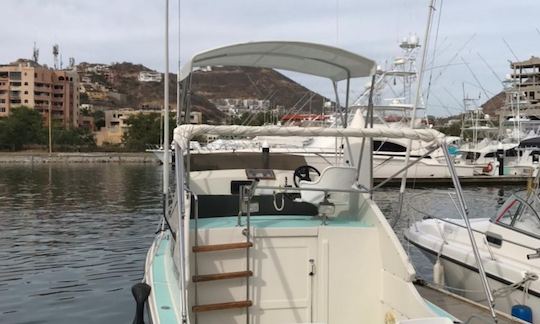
(509, 247)
(261, 238)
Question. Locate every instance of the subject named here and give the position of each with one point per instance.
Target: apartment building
(25, 83)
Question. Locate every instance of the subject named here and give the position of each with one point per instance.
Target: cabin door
(283, 278)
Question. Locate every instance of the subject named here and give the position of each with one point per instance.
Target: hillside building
(240, 104)
(519, 104)
(149, 76)
(25, 83)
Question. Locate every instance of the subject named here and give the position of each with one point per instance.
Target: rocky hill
(117, 86)
(493, 105)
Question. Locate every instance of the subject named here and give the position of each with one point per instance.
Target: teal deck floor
(276, 222)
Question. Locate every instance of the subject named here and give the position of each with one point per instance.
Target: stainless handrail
(465, 215)
(181, 238)
(195, 243)
(246, 194)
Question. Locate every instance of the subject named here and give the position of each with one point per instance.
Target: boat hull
(463, 279)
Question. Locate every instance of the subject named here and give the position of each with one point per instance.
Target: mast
(415, 105)
(166, 141)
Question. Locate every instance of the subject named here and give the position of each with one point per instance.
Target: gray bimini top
(314, 59)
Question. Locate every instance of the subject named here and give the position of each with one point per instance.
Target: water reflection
(74, 238)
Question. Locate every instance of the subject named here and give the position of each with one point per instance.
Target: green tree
(73, 137)
(453, 129)
(22, 127)
(146, 129)
(143, 129)
(99, 118)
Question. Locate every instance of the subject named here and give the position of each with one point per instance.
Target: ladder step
(220, 276)
(220, 306)
(222, 247)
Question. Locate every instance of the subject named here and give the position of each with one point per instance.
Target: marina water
(74, 236)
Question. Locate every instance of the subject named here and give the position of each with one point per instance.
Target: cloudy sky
(108, 31)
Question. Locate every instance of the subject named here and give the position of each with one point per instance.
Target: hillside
(248, 82)
(117, 86)
(494, 104)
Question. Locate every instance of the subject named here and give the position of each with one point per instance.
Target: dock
(461, 307)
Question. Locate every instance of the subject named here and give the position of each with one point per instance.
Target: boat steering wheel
(303, 173)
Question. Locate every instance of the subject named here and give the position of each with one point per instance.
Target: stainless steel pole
(465, 215)
(166, 140)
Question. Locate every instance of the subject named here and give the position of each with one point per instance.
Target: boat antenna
(178, 117)
(166, 141)
(434, 54)
(415, 105)
(337, 22)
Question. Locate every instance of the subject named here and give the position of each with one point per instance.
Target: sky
(483, 35)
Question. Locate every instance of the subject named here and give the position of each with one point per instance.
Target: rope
(528, 278)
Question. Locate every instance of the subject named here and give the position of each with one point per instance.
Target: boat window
(519, 215)
(381, 146)
(490, 154)
(511, 152)
(473, 156)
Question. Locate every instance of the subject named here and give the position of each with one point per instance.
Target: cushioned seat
(332, 178)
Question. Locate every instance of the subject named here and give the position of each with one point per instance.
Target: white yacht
(509, 248)
(241, 244)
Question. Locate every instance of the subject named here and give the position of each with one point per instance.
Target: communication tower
(35, 53)
(55, 51)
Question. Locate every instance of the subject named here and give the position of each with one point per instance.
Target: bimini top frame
(184, 133)
(309, 58)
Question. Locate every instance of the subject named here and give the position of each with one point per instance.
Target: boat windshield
(520, 215)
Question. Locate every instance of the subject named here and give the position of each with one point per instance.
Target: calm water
(74, 237)
(73, 240)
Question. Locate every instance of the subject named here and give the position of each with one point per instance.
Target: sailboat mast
(166, 140)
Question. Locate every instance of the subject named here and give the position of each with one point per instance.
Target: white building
(149, 76)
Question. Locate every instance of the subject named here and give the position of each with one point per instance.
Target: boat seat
(332, 178)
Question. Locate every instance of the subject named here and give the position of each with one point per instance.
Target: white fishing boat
(509, 248)
(240, 244)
